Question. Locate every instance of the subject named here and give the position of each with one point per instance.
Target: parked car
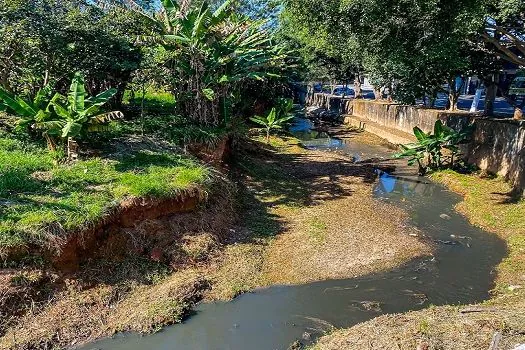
(517, 89)
(340, 91)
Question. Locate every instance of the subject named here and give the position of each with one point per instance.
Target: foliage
(431, 146)
(78, 113)
(276, 118)
(31, 114)
(504, 30)
(44, 40)
(316, 28)
(210, 54)
(61, 116)
(268, 10)
(412, 47)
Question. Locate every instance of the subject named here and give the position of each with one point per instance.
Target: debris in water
(335, 289)
(319, 322)
(367, 305)
(445, 217)
(307, 336)
(446, 242)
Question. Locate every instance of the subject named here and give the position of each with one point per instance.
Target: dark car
(340, 91)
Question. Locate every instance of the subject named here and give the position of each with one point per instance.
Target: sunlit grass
(39, 199)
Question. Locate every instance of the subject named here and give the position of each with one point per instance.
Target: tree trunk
(357, 87)
(454, 91)
(518, 113)
(377, 93)
(72, 149)
(491, 85)
(51, 145)
(453, 101)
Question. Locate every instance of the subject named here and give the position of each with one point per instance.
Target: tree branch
(508, 55)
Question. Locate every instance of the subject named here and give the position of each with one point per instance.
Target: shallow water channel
(459, 272)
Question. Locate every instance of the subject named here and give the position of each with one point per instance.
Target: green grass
(317, 230)
(39, 200)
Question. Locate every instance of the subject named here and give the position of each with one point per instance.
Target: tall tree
(504, 39)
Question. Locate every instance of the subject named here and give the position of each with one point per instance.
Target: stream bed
(461, 271)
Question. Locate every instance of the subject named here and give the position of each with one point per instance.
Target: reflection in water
(275, 317)
(387, 183)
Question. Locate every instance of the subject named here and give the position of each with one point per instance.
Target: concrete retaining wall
(331, 102)
(405, 118)
(498, 145)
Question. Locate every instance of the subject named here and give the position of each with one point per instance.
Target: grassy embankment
(486, 204)
(41, 201)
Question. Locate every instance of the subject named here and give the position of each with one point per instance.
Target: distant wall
(498, 145)
(331, 102)
(404, 118)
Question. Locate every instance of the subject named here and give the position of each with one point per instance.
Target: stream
(459, 272)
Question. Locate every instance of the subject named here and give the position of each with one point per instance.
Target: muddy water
(459, 272)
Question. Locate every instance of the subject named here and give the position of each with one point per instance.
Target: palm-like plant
(212, 53)
(77, 113)
(61, 116)
(431, 146)
(32, 114)
(272, 121)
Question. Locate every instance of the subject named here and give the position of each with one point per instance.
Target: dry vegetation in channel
(302, 214)
(309, 216)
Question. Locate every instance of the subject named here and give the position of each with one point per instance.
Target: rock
(514, 287)
(296, 345)
(445, 217)
(371, 306)
(307, 336)
(423, 346)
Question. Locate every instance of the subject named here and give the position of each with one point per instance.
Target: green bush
(428, 152)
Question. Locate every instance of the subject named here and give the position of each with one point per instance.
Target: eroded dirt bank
(303, 216)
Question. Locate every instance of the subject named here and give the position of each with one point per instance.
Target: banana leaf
(77, 93)
(13, 103)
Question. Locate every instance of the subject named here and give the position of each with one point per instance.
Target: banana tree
(76, 113)
(32, 115)
(271, 122)
(211, 54)
(432, 145)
